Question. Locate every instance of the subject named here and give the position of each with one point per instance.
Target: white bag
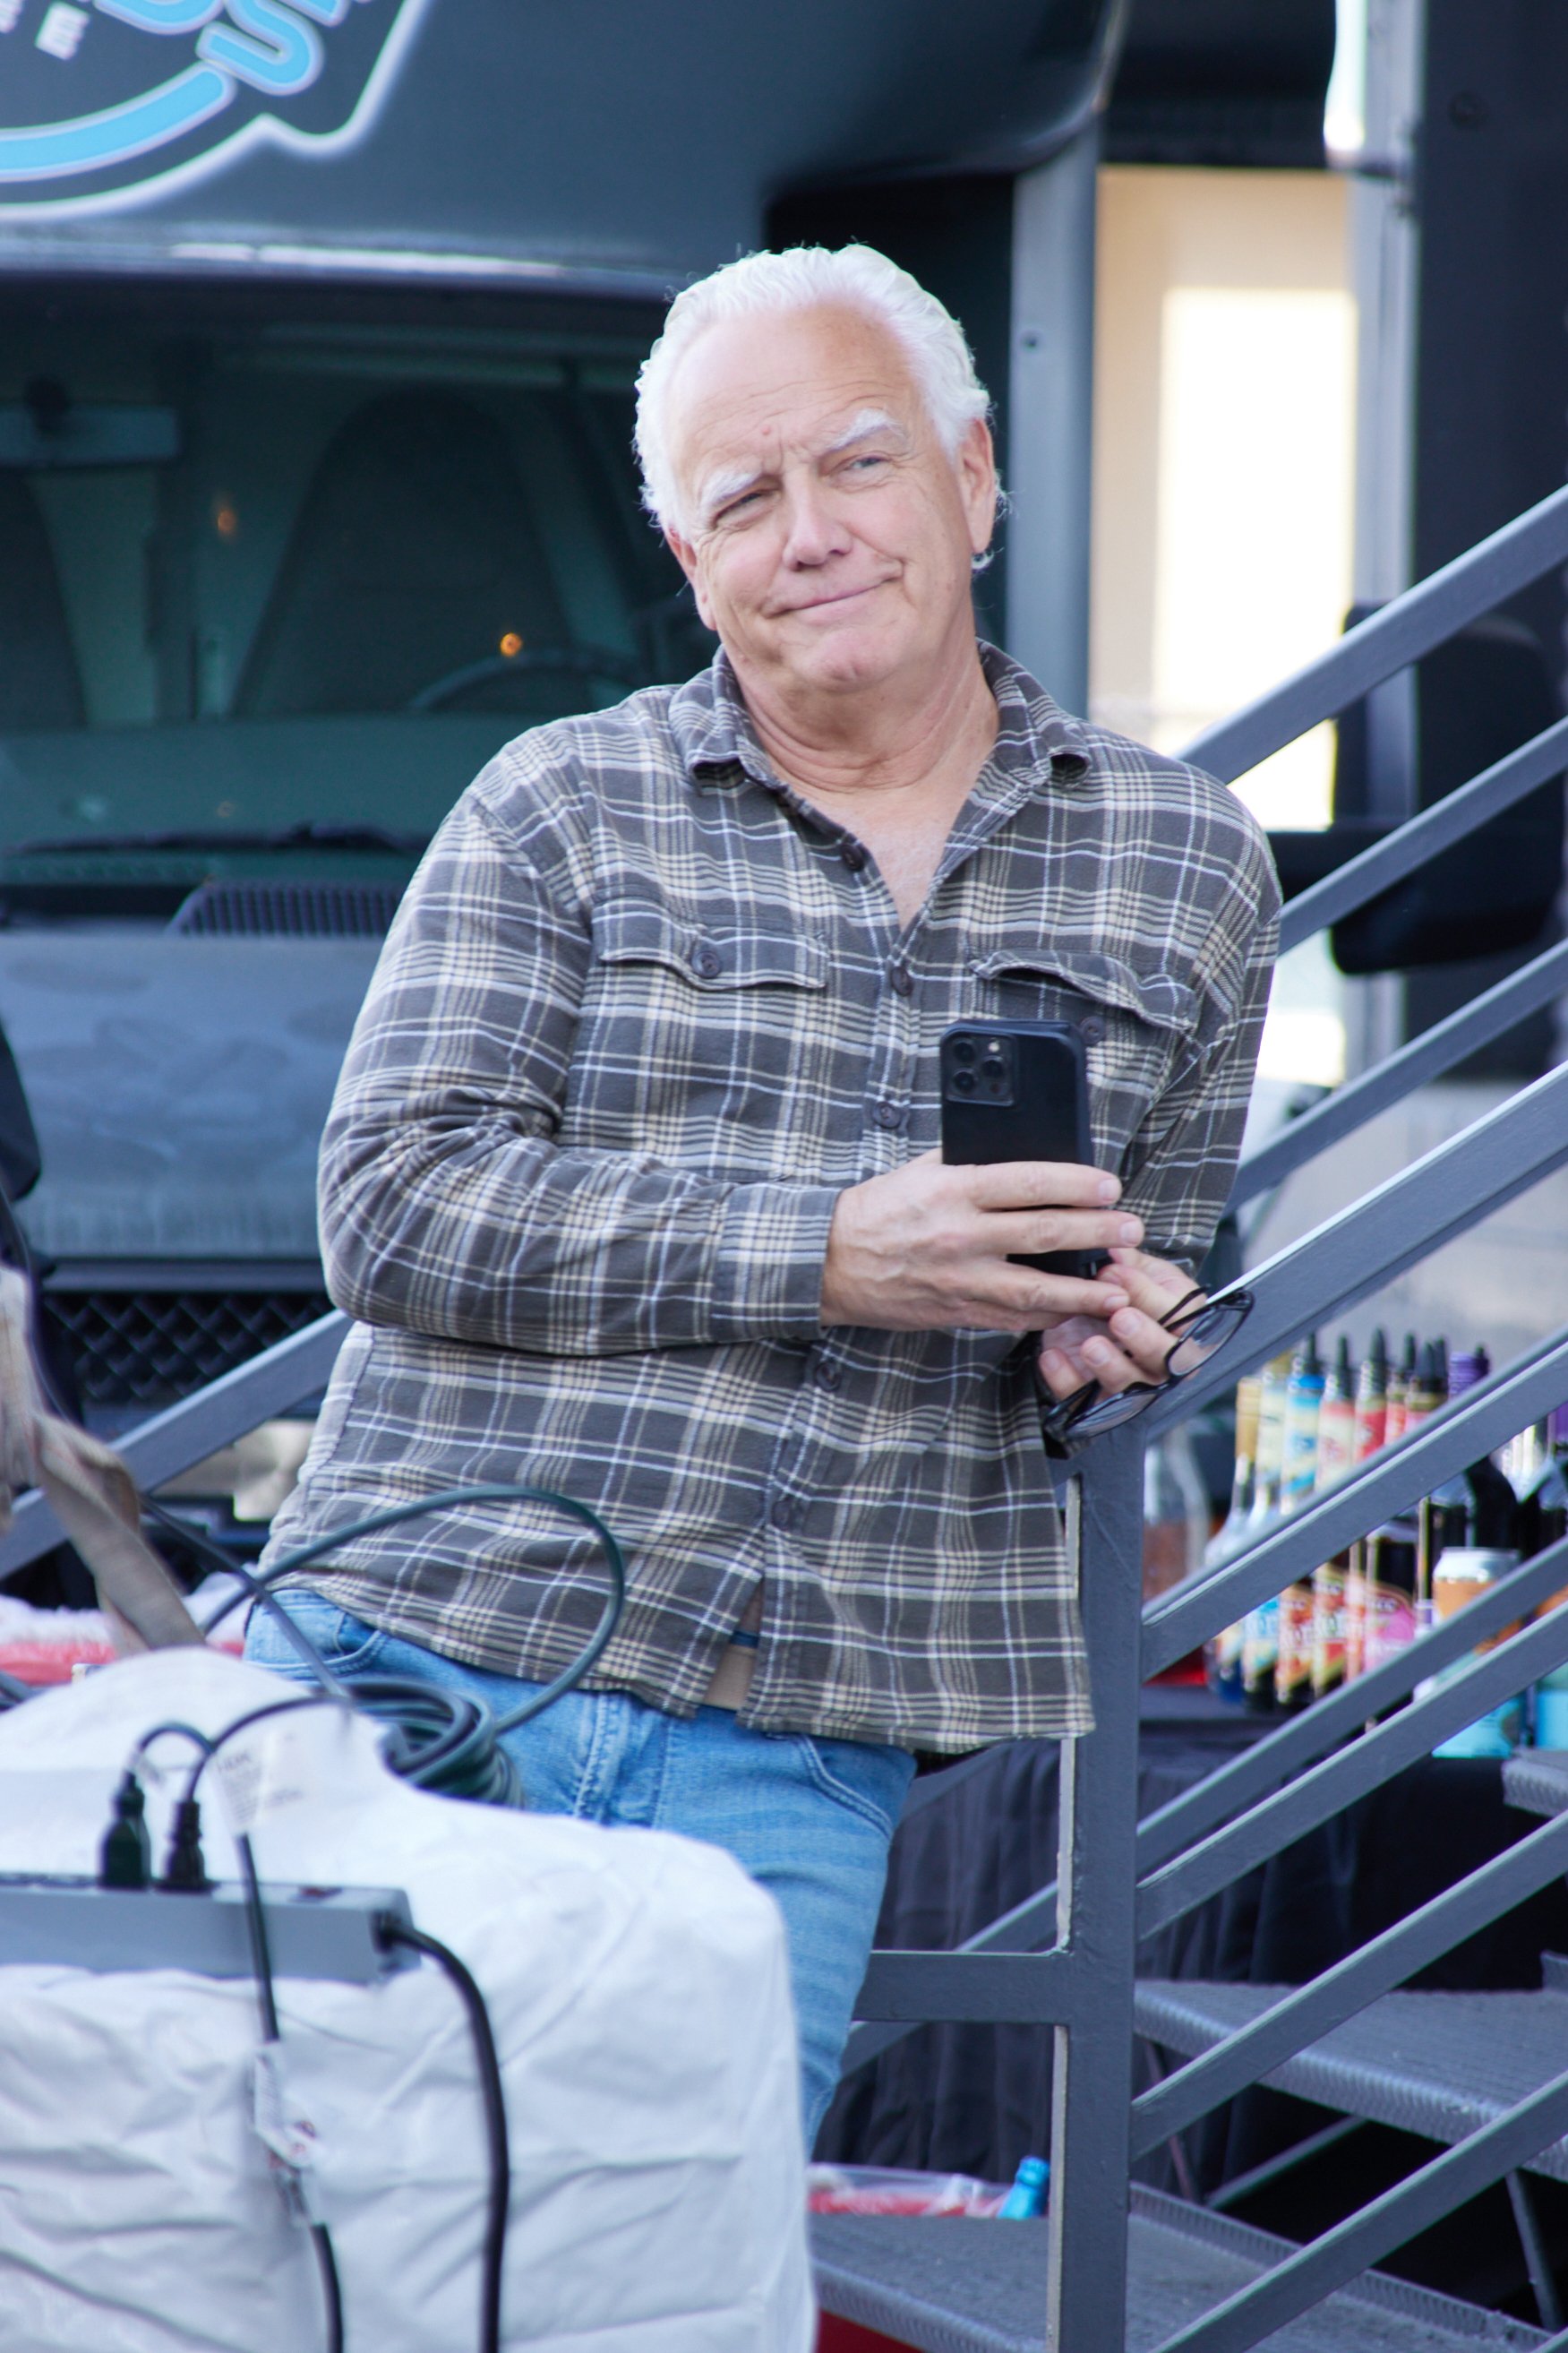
(638, 1987)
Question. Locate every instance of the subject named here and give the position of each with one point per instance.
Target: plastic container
(1462, 1573)
(890, 2189)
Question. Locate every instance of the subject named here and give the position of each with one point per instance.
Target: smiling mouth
(844, 597)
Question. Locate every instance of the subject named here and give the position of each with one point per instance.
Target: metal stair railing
(1313, 1765)
(1428, 1057)
(1114, 1872)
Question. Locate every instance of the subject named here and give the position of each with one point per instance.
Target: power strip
(311, 1932)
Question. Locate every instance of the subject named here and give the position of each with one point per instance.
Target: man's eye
(867, 459)
(737, 509)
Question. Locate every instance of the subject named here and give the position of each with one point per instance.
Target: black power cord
(261, 1958)
(187, 1873)
(389, 1931)
(442, 1740)
(393, 1931)
(195, 1540)
(498, 1492)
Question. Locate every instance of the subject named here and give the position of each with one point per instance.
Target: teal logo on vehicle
(110, 97)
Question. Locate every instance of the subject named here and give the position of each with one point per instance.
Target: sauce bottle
(1222, 1655)
(1336, 1455)
(1303, 1410)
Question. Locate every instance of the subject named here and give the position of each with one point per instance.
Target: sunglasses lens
(1110, 1412)
(1209, 1330)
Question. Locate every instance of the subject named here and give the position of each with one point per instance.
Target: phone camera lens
(963, 1050)
(964, 1083)
(993, 1068)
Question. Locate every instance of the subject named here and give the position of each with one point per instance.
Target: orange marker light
(511, 645)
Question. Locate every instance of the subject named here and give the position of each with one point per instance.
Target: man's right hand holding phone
(929, 1248)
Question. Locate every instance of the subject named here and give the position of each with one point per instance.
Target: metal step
(1537, 1779)
(1439, 2064)
(952, 2286)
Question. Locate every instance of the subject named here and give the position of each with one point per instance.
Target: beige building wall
(1224, 456)
(1224, 489)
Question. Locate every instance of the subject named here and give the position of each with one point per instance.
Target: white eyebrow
(869, 421)
(732, 481)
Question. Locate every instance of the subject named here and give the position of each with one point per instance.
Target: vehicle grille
(150, 1348)
(304, 910)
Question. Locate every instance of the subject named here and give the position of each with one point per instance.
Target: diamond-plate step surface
(1439, 2064)
(954, 2287)
(1537, 1779)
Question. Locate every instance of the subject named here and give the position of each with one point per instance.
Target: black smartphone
(1018, 1091)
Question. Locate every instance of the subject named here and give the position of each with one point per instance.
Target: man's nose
(813, 532)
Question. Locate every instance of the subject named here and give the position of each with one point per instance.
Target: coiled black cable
(195, 1540)
(442, 1740)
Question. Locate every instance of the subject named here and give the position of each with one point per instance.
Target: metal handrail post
(1091, 2095)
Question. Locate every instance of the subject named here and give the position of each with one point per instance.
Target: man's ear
(685, 555)
(976, 464)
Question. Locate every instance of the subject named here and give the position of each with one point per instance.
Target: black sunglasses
(1198, 1326)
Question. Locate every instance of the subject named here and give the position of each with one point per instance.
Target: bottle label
(1355, 1623)
(1371, 1426)
(1300, 1466)
(1328, 1628)
(1293, 1668)
(1390, 1622)
(1261, 1643)
(1336, 1440)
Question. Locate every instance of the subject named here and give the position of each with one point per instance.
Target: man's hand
(927, 1247)
(1116, 1345)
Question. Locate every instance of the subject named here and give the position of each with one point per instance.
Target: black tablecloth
(979, 1837)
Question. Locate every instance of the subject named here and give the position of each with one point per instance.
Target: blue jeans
(809, 1820)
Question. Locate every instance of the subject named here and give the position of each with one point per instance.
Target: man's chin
(852, 655)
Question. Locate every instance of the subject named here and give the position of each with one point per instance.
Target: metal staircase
(1484, 2076)
(1117, 2270)
(929, 2284)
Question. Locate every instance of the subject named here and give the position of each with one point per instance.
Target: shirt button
(852, 854)
(781, 1511)
(828, 1376)
(888, 1114)
(1091, 1030)
(902, 981)
(707, 963)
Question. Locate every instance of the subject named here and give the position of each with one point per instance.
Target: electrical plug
(185, 1868)
(125, 1857)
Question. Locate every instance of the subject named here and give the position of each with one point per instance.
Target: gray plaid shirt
(642, 1016)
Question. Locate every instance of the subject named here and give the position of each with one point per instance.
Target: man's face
(827, 532)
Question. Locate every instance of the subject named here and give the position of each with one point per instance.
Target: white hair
(807, 278)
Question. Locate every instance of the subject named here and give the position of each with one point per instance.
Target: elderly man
(630, 1179)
